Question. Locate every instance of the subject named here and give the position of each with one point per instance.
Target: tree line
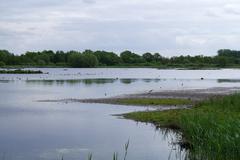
(89, 58)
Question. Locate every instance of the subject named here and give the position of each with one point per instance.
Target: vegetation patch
(212, 127)
(19, 71)
(153, 101)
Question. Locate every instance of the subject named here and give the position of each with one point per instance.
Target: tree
(129, 57)
(90, 60)
(2, 64)
(78, 60)
(157, 57)
(75, 59)
(60, 57)
(221, 61)
(107, 58)
(5, 56)
(148, 57)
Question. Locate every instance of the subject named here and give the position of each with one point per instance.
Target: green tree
(90, 60)
(221, 61)
(129, 57)
(107, 58)
(5, 56)
(148, 57)
(2, 64)
(75, 59)
(78, 60)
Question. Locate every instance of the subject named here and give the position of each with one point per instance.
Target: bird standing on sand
(150, 91)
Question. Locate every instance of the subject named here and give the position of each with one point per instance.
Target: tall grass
(90, 156)
(213, 129)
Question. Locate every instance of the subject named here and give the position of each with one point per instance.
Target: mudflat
(193, 95)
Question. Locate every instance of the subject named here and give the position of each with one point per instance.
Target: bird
(150, 91)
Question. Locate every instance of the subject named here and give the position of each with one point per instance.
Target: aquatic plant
(90, 156)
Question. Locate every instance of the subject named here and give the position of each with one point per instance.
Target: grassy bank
(153, 101)
(212, 127)
(19, 71)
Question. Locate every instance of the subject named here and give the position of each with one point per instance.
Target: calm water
(46, 131)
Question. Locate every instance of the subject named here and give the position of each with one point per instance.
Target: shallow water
(46, 131)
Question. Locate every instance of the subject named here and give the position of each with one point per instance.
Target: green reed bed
(211, 127)
(153, 101)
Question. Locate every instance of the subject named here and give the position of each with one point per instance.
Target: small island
(20, 71)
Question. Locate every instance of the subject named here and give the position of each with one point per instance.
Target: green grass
(153, 101)
(212, 127)
(159, 118)
(19, 71)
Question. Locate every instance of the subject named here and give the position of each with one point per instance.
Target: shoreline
(126, 66)
(194, 95)
(213, 117)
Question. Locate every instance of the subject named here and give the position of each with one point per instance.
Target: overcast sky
(170, 27)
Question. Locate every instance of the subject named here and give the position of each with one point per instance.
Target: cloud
(89, 1)
(216, 42)
(232, 9)
(167, 26)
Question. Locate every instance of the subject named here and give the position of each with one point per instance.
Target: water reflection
(5, 81)
(88, 81)
(178, 148)
(71, 81)
(107, 81)
(228, 80)
(128, 81)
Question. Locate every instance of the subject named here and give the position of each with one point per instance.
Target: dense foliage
(88, 58)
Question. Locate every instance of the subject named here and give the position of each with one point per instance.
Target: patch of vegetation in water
(212, 127)
(19, 71)
(153, 101)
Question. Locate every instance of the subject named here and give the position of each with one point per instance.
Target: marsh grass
(212, 127)
(154, 101)
(90, 156)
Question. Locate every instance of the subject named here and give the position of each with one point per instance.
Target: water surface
(46, 131)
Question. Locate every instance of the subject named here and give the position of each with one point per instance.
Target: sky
(169, 27)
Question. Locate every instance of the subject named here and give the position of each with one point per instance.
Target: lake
(49, 130)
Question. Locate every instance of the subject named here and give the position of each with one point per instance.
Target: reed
(211, 128)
